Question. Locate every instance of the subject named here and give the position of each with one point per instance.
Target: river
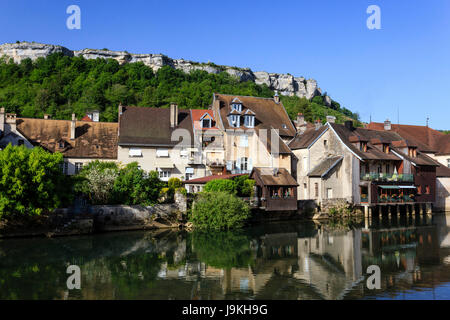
(285, 260)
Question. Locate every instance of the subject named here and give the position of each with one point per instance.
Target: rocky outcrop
(285, 84)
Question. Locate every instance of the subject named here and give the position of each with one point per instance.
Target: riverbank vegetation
(31, 182)
(219, 210)
(60, 85)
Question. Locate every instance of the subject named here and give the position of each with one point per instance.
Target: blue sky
(404, 66)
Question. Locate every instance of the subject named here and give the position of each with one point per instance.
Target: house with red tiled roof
(369, 168)
(433, 143)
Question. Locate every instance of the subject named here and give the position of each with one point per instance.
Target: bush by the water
(108, 183)
(219, 210)
(31, 181)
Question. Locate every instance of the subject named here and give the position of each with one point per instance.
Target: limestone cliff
(286, 84)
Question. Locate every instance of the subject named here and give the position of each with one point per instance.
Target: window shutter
(229, 165)
(249, 164)
(238, 164)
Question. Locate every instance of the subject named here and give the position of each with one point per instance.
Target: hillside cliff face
(286, 84)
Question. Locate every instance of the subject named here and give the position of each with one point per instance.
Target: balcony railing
(387, 177)
(396, 199)
(215, 162)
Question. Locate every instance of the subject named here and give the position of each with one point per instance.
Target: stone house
(365, 167)
(79, 141)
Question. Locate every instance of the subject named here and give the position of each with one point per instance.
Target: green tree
(97, 180)
(219, 210)
(134, 186)
(31, 181)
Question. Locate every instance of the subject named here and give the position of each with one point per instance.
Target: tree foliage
(225, 185)
(105, 182)
(31, 181)
(219, 210)
(60, 85)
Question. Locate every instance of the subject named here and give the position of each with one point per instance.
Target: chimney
(72, 127)
(173, 115)
(387, 125)
(46, 116)
(331, 119)
(118, 118)
(11, 120)
(276, 97)
(2, 120)
(349, 124)
(95, 115)
(318, 124)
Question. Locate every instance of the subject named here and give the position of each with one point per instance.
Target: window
(325, 143)
(316, 189)
(135, 152)
(62, 144)
(164, 174)
(380, 169)
(206, 123)
(448, 163)
(78, 167)
(65, 167)
(249, 121)
(244, 141)
(385, 148)
(427, 189)
(419, 189)
(162, 153)
(235, 120)
(412, 152)
(363, 146)
(329, 193)
(388, 168)
(236, 106)
(244, 164)
(337, 173)
(305, 190)
(189, 173)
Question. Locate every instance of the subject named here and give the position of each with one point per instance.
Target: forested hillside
(60, 85)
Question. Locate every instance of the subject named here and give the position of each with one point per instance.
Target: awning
(397, 187)
(164, 163)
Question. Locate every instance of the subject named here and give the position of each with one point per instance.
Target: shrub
(218, 185)
(219, 210)
(174, 183)
(31, 181)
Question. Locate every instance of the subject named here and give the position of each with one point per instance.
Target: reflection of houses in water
(330, 262)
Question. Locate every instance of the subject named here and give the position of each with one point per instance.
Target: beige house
(255, 132)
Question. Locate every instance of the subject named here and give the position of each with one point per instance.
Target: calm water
(270, 261)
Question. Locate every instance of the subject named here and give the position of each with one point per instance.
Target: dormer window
(385, 147)
(363, 146)
(237, 107)
(235, 120)
(206, 121)
(249, 121)
(61, 144)
(412, 152)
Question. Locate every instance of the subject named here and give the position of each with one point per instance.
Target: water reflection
(271, 261)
